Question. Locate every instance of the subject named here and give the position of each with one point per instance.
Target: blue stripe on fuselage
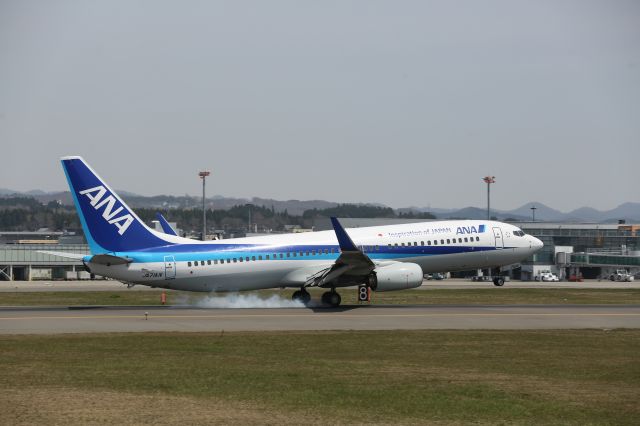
(201, 252)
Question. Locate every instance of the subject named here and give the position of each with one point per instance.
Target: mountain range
(629, 211)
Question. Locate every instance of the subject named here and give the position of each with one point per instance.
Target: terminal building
(587, 250)
(570, 250)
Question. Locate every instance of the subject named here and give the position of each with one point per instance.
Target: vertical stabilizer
(108, 223)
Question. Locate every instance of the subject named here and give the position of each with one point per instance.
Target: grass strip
(484, 296)
(401, 377)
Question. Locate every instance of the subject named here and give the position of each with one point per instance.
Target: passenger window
(422, 243)
(188, 263)
(466, 240)
(253, 258)
(326, 251)
(332, 251)
(235, 260)
(429, 242)
(208, 262)
(377, 248)
(267, 256)
(477, 238)
(295, 254)
(448, 242)
(215, 261)
(313, 252)
(247, 258)
(441, 241)
(240, 259)
(281, 256)
(459, 240)
(259, 257)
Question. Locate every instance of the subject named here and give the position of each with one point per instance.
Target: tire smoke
(242, 301)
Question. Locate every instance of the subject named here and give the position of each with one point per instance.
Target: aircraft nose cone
(536, 244)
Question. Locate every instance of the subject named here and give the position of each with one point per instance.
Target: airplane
(166, 226)
(382, 258)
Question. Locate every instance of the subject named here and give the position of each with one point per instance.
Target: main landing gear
(301, 295)
(329, 298)
(498, 281)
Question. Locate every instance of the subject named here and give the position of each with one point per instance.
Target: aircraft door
(169, 268)
(497, 233)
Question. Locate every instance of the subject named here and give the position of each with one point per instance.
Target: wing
(166, 228)
(351, 266)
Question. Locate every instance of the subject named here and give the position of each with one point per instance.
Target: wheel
(331, 298)
(498, 281)
(301, 296)
(612, 278)
(372, 282)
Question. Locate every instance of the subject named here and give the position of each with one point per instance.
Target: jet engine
(397, 276)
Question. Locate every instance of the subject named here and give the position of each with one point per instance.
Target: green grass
(489, 295)
(454, 377)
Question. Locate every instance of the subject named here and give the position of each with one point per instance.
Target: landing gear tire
(372, 281)
(331, 298)
(498, 281)
(301, 296)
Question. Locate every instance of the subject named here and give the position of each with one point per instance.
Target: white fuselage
(282, 260)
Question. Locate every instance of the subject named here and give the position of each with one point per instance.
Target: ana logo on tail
(98, 199)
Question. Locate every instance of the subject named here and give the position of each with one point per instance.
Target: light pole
(203, 175)
(489, 180)
(533, 213)
(249, 206)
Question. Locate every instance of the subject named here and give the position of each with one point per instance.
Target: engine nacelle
(398, 276)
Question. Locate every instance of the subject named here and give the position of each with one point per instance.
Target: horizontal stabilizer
(64, 254)
(108, 259)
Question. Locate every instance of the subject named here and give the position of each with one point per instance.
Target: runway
(452, 283)
(416, 317)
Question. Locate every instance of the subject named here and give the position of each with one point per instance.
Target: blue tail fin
(108, 223)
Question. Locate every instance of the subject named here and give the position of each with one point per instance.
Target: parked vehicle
(482, 278)
(546, 276)
(621, 275)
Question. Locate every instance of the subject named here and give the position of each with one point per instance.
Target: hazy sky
(397, 102)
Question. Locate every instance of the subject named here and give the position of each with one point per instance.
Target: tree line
(27, 214)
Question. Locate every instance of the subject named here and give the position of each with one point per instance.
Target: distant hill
(629, 211)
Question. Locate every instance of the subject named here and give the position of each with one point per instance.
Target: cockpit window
(519, 233)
